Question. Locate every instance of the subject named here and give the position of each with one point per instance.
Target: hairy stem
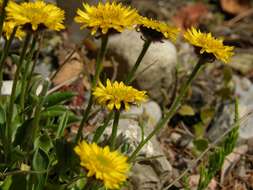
(172, 110)
(24, 81)
(130, 76)
(98, 70)
(13, 94)
(114, 129)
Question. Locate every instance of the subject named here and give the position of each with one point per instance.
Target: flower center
(105, 162)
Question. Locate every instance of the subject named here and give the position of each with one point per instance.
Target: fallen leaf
(69, 70)
(190, 15)
(235, 7)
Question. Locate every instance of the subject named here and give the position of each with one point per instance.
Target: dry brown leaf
(235, 7)
(190, 15)
(69, 70)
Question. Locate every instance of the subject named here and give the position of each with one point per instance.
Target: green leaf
(54, 111)
(199, 129)
(40, 164)
(2, 115)
(63, 124)
(23, 133)
(200, 144)
(186, 110)
(6, 183)
(58, 97)
(59, 110)
(50, 186)
(44, 142)
(65, 155)
(18, 182)
(206, 115)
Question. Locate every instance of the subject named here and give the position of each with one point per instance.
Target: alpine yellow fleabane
(209, 44)
(117, 95)
(106, 17)
(157, 30)
(35, 15)
(109, 166)
(8, 28)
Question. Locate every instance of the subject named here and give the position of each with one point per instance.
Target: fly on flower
(157, 31)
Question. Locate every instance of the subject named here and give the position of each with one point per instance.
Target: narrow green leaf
(63, 124)
(58, 97)
(44, 142)
(40, 164)
(2, 115)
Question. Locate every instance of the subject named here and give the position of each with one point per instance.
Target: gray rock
(222, 121)
(149, 174)
(225, 119)
(158, 63)
(242, 62)
(144, 178)
(244, 89)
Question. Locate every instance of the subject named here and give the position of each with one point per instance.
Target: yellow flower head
(35, 15)
(110, 167)
(8, 28)
(117, 95)
(208, 44)
(107, 17)
(156, 30)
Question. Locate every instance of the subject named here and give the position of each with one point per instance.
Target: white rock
(160, 59)
(6, 88)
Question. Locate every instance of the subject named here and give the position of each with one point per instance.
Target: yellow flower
(35, 15)
(8, 29)
(117, 95)
(110, 167)
(157, 30)
(207, 43)
(107, 17)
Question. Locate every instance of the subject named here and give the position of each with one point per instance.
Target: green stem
(24, 81)
(172, 110)
(102, 128)
(84, 119)
(13, 92)
(99, 60)
(114, 129)
(95, 79)
(5, 2)
(31, 70)
(130, 76)
(4, 55)
(36, 121)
